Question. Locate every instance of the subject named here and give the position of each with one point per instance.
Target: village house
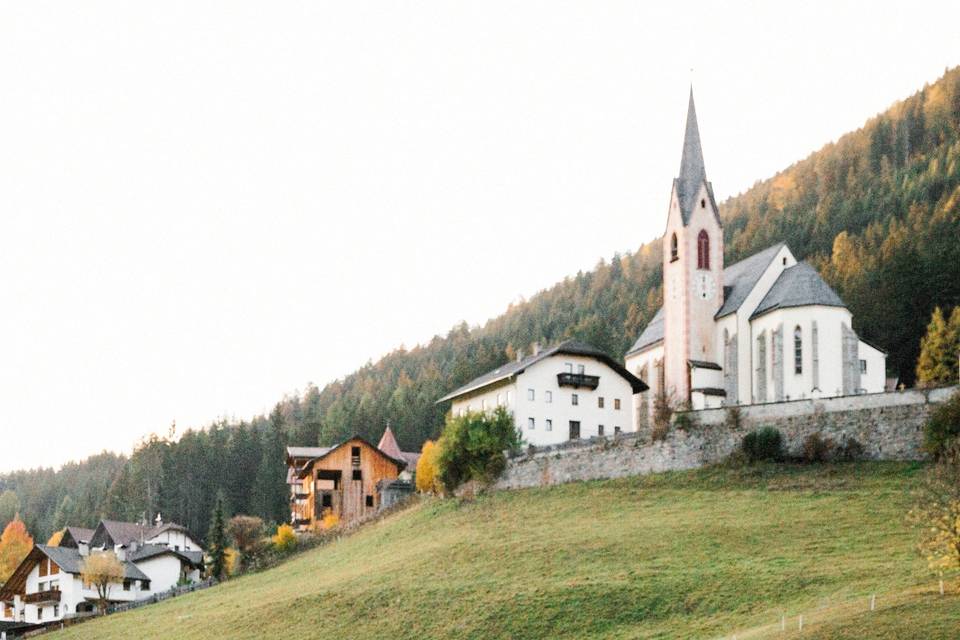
(567, 392)
(350, 480)
(765, 329)
(47, 585)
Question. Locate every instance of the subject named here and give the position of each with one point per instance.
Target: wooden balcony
(42, 597)
(578, 380)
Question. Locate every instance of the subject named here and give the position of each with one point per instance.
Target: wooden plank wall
(373, 467)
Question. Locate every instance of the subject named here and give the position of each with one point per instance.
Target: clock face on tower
(704, 286)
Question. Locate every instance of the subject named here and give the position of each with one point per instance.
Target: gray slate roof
(693, 172)
(798, 286)
(740, 278)
(149, 551)
(570, 347)
(651, 335)
(69, 561)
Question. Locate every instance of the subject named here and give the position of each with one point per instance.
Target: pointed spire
(388, 444)
(693, 173)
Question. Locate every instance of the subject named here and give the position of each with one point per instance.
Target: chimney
(159, 519)
(519, 355)
(536, 348)
(83, 548)
(120, 551)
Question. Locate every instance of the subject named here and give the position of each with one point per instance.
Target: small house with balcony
(47, 585)
(570, 391)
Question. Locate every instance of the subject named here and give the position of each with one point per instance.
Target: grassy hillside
(695, 554)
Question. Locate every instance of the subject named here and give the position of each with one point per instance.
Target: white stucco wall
(164, 572)
(557, 407)
(830, 339)
(635, 364)
(176, 540)
(874, 378)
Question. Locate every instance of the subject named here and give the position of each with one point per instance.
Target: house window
(357, 474)
(581, 369)
(54, 585)
(703, 250)
(531, 423)
(600, 430)
(600, 402)
(499, 399)
(326, 501)
(56, 611)
(574, 399)
(126, 585)
(369, 501)
(39, 613)
(797, 350)
(145, 585)
(531, 394)
(784, 260)
(548, 425)
(574, 430)
(616, 404)
(548, 396)
(569, 366)
(673, 248)
(863, 366)
(616, 429)
(41, 586)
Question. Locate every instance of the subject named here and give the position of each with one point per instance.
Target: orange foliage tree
(15, 544)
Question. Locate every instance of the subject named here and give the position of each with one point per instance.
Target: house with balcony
(570, 391)
(47, 586)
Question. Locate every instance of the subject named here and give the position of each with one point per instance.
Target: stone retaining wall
(888, 425)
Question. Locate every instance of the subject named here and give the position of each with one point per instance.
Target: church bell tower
(692, 268)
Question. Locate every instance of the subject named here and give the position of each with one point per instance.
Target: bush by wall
(817, 448)
(472, 446)
(943, 427)
(765, 444)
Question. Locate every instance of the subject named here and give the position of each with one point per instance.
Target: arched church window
(797, 350)
(673, 247)
(703, 250)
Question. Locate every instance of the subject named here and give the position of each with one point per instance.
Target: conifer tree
(218, 541)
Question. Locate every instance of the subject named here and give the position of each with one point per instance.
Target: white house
(47, 585)
(570, 391)
(765, 329)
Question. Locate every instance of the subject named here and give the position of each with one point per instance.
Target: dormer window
(673, 248)
(703, 250)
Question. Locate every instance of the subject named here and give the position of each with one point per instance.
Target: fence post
(783, 623)
(941, 586)
(800, 623)
(873, 602)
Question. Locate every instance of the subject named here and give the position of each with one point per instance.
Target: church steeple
(693, 172)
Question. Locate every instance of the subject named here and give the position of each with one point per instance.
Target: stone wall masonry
(888, 425)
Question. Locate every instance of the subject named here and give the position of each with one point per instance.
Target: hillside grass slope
(699, 554)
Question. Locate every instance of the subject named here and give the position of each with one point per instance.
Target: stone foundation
(888, 425)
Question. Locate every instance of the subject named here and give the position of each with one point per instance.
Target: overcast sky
(206, 205)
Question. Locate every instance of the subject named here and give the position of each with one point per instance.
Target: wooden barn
(344, 480)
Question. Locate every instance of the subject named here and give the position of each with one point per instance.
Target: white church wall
(829, 337)
(675, 288)
(703, 343)
(643, 402)
(746, 342)
(873, 368)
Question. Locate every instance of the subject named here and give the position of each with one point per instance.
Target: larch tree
(15, 544)
(937, 364)
(102, 571)
(937, 514)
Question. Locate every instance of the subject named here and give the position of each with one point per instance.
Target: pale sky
(206, 205)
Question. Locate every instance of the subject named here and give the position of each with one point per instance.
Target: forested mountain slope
(878, 212)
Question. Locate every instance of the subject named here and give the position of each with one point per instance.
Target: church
(765, 329)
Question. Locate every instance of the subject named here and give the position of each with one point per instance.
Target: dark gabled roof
(113, 532)
(73, 535)
(651, 335)
(740, 278)
(401, 464)
(798, 286)
(167, 526)
(693, 172)
(150, 551)
(570, 347)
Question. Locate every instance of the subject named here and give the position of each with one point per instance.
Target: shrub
(943, 427)
(472, 446)
(247, 534)
(330, 520)
(285, 540)
(763, 444)
(428, 480)
(817, 448)
(936, 513)
(850, 450)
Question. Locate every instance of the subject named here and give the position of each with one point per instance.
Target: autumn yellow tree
(55, 539)
(15, 544)
(427, 477)
(102, 571)
(285, 540)
(937, 363)
(937, 514)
